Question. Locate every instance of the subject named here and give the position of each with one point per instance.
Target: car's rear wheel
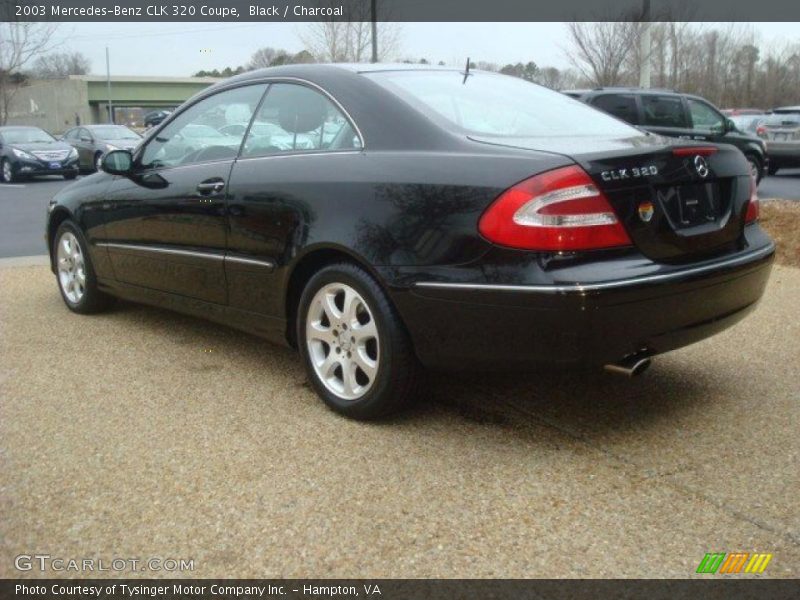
(356, 351)
(8, 171)
(76, 278)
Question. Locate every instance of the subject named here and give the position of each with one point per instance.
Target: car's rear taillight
(752, 204)
(560, 210)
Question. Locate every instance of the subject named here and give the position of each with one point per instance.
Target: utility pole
(108, 86)
(374, 5)
(644, 49)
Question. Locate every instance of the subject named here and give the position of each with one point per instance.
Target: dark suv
(676, 115)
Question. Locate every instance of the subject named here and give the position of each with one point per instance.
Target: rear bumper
(460, 325)
(784, 154)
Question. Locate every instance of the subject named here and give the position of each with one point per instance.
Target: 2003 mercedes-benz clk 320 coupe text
(383, 218)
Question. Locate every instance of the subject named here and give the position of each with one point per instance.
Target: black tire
(7, 172)
(69, 176)
(93, 300)
(772, 169)
(398, 372)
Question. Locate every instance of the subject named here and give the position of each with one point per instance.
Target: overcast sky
(182, 49)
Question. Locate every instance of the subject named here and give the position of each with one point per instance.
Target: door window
(663, 111)
(72, 134)
(705, 117)
(84, 134)
(295, 118)
(203, 132)
(622, 106)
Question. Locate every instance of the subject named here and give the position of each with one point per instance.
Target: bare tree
(20, 44)
(599, 50)
(350, 39)
(61, 64)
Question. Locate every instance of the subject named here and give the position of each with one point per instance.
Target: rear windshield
(499, 105)
(783, 120)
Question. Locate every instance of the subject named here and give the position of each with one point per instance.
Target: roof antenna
(466, 72)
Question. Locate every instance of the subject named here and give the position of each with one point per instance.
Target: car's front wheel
(76, 279)
(8, 171)
(356, 351)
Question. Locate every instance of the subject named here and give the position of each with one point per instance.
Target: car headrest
(305, 113)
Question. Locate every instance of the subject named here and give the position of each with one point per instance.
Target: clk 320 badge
(632, 173)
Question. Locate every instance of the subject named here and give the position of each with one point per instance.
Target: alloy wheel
(71, 267)
(8, 174)
(754, 170)
(342, 340)
(98, 162)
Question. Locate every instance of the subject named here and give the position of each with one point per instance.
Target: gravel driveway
(143, 433)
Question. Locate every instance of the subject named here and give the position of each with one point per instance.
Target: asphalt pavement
(23, 209)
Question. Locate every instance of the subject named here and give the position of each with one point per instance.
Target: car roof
(18, 127)
(787, 109)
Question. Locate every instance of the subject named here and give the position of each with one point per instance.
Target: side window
(296, 118)
(622, 106)
(84, 134)
(70, 134)
(705, 117)
(204, 131)
(663, 111)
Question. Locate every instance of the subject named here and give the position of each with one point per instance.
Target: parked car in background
(455, 221)
(155, 117)
(752, 124)
(676, 115)
(93, 141)
(31, 151)
(783, 135)
(732, 112)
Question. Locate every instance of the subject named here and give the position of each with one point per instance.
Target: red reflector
(752, 204)
(560, 210)
(694, 151)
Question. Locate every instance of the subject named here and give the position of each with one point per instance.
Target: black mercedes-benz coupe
(384, 218)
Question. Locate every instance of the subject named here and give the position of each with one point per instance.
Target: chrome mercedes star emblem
(701, 166)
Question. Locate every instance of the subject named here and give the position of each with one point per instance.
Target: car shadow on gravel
(584, 401)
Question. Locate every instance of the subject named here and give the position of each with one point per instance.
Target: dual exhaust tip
(630, 366)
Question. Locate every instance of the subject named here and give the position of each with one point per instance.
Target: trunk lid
(676, 206)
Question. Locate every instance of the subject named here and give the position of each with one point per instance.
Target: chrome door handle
(211, 187)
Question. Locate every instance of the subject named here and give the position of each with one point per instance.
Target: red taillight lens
(752, 204)
(560, 210)
(694, 151)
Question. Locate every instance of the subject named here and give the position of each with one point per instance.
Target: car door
(299, 142)
(666, 114)
(85, 146)
(166, 226)
(707, 122)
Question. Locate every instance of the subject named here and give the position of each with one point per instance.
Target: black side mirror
(118, 162)
(729, 125)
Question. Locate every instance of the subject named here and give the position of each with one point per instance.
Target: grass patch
(781, 219)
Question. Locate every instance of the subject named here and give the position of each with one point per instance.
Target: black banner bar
(398, 589)
(396, 10)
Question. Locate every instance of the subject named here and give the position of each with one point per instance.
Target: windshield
(29, 135)
(200, 131)
(115, 133)
(492, 104)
